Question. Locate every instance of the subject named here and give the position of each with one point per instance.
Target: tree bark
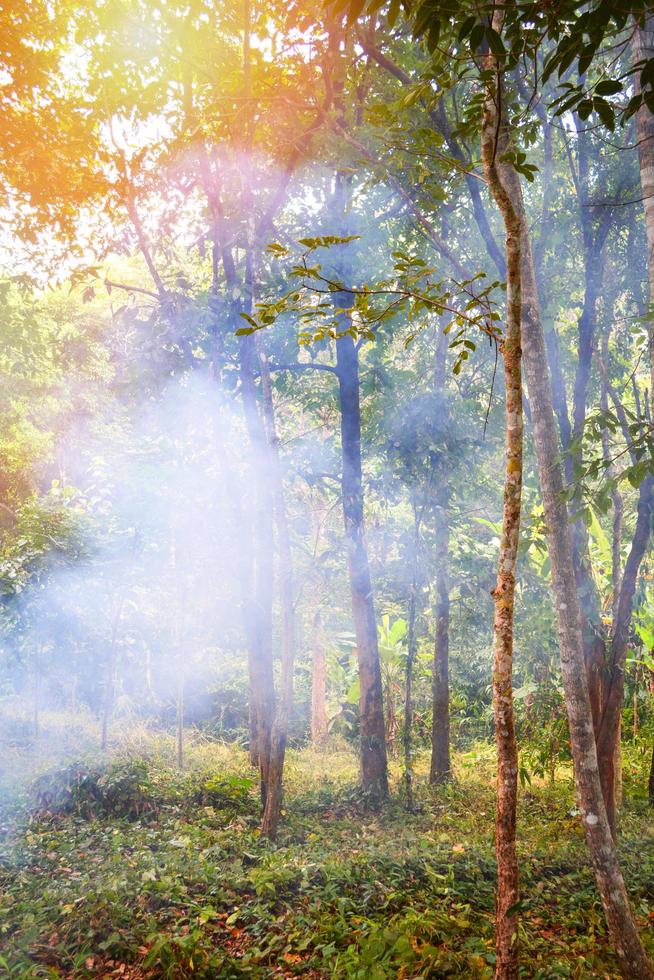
(650, 784)
(410, 661)
(643, 48)
(279, 731)
(622, 928)
(608, 731)
(494, 142)
(441, 766)
(262, 688)
(374, 775)
(633, 960)
(260, 629)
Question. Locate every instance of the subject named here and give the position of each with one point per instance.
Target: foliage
(119, 789)
(176, 893)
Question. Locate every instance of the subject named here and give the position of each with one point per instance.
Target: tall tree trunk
(260, 629)
(609, 727)
(596, 637)
(611, 685)
(594, 632)
(260, 659)
(410, 661)
(616, 569)
(279, 731)
(241, 517)
(493, 143)
(318, 686)
(643, 48)
(622, 928)
(374, 775)
(255, 565)
(633, 960)
(374, 765)
(441, 766)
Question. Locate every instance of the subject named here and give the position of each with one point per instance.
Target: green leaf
(608, 87)
(467, 26)
(495, 42)
(605, 112)
(476, 37)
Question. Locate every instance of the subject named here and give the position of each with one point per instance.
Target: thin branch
(131, 289)
(302, 367)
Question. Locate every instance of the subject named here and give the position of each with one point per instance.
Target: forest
(327, 489)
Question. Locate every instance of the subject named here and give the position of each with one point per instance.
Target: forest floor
(139, 871)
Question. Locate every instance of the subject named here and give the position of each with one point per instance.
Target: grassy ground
(153, 873)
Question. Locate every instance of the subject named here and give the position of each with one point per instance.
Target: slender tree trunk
(596, 637)
(260, 660)
(259, 606)
(373, 742)
(374, 766)
(622, 928)
(441, 766)
(633, 960)
(643, 48)
(318, 687)
(279, 731)
(242, 518)
(493, 143)
(616, 568)
(609, 727)
(410, 662)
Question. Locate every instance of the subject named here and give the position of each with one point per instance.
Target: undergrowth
(126, 867)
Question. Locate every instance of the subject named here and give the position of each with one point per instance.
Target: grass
(182, 885)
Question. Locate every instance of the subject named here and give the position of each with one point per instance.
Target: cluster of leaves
(334, 308)
(578, 33)
(632, 461)
(44, 532)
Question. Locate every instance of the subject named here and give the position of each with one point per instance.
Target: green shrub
(228, 792)
(117, 789)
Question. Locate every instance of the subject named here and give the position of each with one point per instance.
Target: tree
(495, 146)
